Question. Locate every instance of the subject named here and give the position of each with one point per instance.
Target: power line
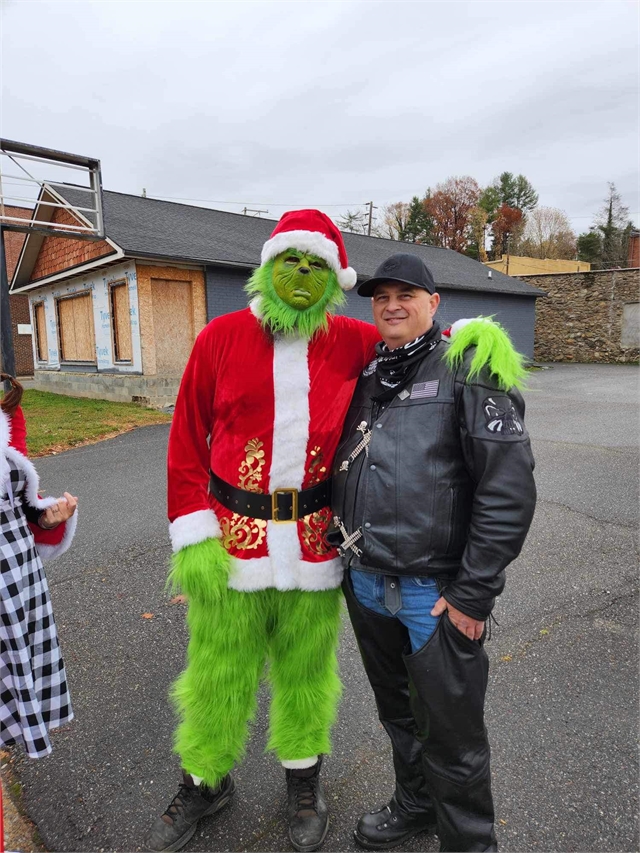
(246, 203)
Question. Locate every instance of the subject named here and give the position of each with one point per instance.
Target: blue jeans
(418, 597)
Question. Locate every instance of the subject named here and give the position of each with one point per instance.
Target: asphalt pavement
(562, 707)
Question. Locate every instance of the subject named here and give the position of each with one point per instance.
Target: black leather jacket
(445, 486)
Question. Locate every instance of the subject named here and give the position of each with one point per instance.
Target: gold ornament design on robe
(241, 532)
(315, 525)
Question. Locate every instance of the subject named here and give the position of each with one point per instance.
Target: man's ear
(434, 301)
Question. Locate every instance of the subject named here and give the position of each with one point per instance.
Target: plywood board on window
(121, 320)
(75, 321)
(172, 324)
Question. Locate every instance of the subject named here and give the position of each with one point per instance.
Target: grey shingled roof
(151, 228)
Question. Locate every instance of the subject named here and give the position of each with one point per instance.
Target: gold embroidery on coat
(251, 467)
(242, 533)
(315, 525)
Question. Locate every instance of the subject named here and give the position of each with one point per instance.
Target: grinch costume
(254, 434)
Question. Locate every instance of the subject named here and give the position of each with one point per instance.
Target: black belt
(282, 506)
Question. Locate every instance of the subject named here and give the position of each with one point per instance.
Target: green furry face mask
(296, 292)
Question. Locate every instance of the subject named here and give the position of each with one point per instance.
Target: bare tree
(548, 234)
(395, 221)
(354, 221)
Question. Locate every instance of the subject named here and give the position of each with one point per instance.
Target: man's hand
(58, 512)
(471, 628)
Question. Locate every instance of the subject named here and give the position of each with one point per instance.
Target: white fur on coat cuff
(193, 528)
(50, 552)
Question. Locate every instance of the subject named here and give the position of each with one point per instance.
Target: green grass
(56, 422)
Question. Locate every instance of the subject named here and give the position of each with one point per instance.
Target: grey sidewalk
(562, 704)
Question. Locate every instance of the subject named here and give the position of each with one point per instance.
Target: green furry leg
(303, 672)
(216, 695)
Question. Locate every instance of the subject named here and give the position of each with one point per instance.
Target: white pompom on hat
(311, 231)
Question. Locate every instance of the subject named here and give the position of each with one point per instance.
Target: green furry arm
(200, 571)
(494, 351)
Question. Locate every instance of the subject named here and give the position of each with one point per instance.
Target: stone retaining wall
(154, 391)
(581, 318)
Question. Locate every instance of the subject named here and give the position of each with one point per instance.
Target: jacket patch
(501, 417)
(425, 389)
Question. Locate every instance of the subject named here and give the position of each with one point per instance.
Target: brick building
(18, 304)
(117, 318)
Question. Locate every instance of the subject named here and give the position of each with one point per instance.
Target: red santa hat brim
(315, 244)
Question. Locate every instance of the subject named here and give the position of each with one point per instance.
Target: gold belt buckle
(294, 505)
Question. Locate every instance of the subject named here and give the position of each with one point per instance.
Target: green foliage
(490, 201)
(278, 316)
(419, 227)
(590, 248)
(612, 223)
(493, 351)
(516, 191)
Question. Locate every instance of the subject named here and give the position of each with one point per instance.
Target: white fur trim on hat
(314, 243)
(460, 324)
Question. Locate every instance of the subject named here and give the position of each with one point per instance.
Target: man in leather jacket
(433, 496)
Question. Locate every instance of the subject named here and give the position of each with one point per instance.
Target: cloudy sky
(330, 104)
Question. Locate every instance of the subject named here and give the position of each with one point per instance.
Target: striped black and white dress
(34, 695)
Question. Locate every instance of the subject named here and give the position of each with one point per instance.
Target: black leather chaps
(431, 704)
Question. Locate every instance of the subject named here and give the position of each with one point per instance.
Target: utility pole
(371, 207)
(508, 247)
(246, 210)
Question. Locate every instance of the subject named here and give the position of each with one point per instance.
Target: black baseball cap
(403, 268)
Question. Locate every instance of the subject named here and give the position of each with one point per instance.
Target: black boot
(172, 830)
(390, 826)
(306, 810)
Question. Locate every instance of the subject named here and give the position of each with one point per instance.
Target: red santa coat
(263, 413)
(13, 448)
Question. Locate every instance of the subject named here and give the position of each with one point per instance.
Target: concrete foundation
(154, 391)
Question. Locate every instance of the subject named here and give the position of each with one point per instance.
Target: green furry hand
(201, 571)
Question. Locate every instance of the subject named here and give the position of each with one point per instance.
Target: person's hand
(60, 511)
(471, 628)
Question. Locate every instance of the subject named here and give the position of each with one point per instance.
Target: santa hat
(311, 231)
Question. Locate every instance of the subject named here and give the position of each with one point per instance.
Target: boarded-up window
(42, 353)
(172, 324)
(121, 322)
(75, 322)
(630, 325)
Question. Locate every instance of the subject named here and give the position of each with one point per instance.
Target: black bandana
(394, 366)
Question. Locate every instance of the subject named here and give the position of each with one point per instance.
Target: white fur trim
(289, 455)
(301, 763)
(316, 244)
(255, 306)
(460, 324)
(33, 481)
(50, 552)
(193, 528)
(263, 573)
(46, 552)
(5, 438)
(347, 278)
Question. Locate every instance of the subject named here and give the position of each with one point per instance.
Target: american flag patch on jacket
(425, 389)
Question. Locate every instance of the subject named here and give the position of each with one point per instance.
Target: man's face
(402, 313)
(300, 279)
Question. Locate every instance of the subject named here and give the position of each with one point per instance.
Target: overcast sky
(330, 104)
